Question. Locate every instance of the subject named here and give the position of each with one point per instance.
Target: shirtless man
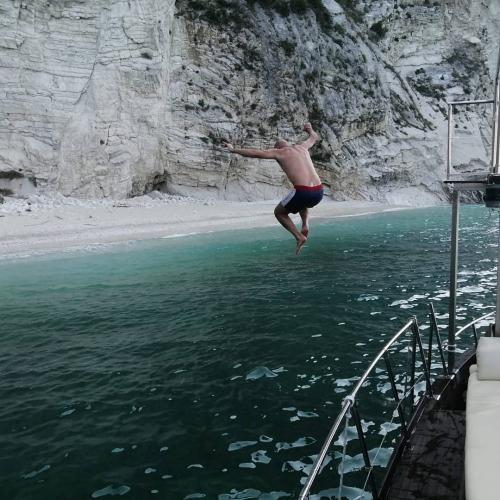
(295, 161)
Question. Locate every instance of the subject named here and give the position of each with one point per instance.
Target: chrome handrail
(473, 322)
(348, 403)
(379, 357)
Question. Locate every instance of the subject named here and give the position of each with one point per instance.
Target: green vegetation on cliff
(221, 12)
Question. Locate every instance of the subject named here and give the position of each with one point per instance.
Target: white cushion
(472, 369)
(488, 358)
(482, 439)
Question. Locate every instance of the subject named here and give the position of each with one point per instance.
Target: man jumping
(296, 162)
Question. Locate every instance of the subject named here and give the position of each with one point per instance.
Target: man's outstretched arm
(313, 136)
(268, 154)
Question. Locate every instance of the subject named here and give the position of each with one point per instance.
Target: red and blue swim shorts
(302, 197)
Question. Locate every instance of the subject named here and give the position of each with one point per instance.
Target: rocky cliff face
(116, 98)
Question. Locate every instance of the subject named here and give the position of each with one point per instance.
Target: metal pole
(497, 314)
(427, 375)
(474, 101)
(496, 131)
(434, 326)
(474, 331)
(453, 280)
(390, 373)
(450, 129)
(364, 449)
(413, 366)
(431, 331)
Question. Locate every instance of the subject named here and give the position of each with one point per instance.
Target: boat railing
(495, 140)
(473, 326)
(452, 105)
(411, 392)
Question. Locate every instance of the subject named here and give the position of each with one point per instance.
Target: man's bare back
(298, 166)
(296, 162)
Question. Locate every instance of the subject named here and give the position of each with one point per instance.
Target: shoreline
(40, 225)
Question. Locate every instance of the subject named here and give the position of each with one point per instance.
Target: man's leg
(281, 214)
(304, 215)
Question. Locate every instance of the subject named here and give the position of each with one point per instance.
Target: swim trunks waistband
(319, 187)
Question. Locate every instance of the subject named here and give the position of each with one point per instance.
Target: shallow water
(212, 366)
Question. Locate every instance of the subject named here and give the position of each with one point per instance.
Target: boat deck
(432, 466)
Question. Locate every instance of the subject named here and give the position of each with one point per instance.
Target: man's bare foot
(300, 243)
(305, 231)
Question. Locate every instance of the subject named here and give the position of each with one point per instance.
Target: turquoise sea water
(212, 366)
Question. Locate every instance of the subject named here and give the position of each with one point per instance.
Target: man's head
(280, 144)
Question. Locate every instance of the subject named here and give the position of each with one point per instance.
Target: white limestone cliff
(116, 98)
